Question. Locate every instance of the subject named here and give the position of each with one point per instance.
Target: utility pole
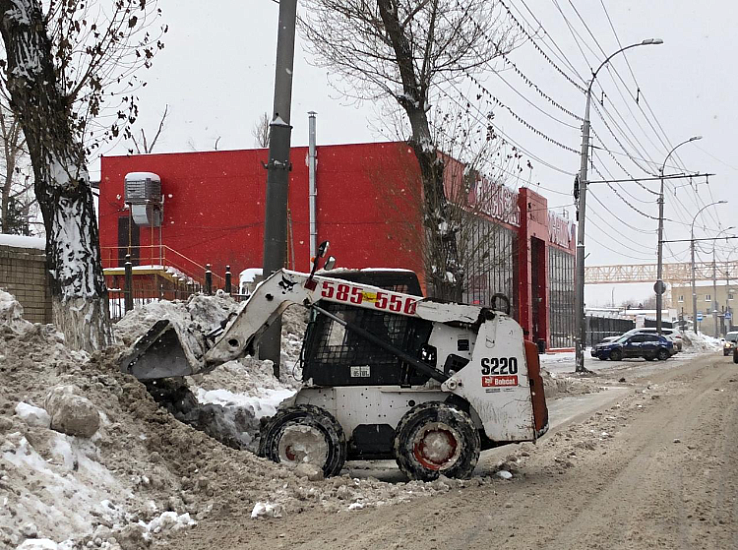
(714, 293)
(312, 190)
(581, 341)
(727, 295)
(714, 282)
(581, 217)
(694, 290)
(659, 287)
(278, 169)
(694, 284)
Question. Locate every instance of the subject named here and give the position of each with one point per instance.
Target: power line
(518, 118)
(539, 50)
(563, 57)
(507, 138)
(623, 199)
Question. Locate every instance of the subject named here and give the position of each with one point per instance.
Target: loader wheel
(436, 438)
(304, 434)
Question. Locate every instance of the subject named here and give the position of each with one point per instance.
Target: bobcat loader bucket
(166, 350)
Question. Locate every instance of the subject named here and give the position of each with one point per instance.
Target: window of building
(730, 296)
(708, 298)
(681, 298)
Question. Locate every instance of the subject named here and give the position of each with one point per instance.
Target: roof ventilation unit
(143, 194)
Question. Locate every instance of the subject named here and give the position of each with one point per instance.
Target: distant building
(708, 301)
(368, 206)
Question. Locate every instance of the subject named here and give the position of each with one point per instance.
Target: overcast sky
(217, 72)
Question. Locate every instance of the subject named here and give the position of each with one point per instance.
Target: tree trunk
(62, 186)
(444, 269)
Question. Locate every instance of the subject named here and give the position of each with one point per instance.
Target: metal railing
(159, 256)
(159, 282)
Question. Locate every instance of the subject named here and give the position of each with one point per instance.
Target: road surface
(654, 466)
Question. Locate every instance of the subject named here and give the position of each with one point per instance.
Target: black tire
(663, 354)
(320, 423)
(443, 420)
(735, 356)
(616, 355)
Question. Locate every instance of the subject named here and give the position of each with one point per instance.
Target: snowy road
(655, 468)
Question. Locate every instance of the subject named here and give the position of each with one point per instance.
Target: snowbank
(20, 241)
(557, 358)
(700, 342)
(144, 475)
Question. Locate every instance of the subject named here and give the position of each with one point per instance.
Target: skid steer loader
(386, 372)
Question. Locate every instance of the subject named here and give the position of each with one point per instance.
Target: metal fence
(129, 291)
(599, 328)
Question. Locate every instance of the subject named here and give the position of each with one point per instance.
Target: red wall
(368, 208)
(214, 205)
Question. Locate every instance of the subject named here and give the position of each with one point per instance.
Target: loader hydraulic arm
(279, 291)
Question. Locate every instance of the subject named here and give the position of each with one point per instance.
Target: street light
(582, 205)
(660, 287)
(714, 279)
(727, 288)
(694, 286)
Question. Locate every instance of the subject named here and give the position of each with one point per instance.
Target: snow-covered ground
(139, 475)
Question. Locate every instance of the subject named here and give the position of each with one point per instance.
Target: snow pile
(192, 320)
(700, 342)
(141, 474)
(228, 402)
(557, 385)
(557, 358)
(33, 416)
(20, 241)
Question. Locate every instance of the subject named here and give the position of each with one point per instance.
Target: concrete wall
(23, 274)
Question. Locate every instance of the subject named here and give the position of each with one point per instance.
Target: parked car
(730, 343)
(648, 346)
(608, 339)
(672, 334)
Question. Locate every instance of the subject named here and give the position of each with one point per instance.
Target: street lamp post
(714, 280)
(582, 206)
(660, 287)
(694, 285)
(727, 288)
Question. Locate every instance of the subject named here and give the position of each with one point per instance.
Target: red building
(368, 207)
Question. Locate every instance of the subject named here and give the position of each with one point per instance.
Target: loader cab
(334, 356)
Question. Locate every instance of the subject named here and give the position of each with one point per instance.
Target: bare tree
(260, 131)
(142, 145)
(405, 50)
(477, 167)
(62, 65)
(17, 194)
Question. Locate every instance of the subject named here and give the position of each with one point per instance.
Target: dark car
(648, 346)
